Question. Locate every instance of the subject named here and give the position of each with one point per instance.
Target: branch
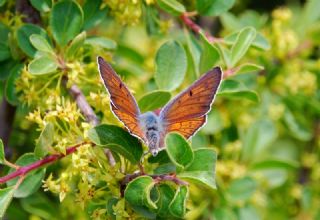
(22, 171)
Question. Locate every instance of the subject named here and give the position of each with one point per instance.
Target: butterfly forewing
(187, 112)
(122, 102)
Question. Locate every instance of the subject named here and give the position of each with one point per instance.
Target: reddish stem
(196, 28)
(26, 169)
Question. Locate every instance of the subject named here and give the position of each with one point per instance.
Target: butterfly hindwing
(187, 112)
(123, 104)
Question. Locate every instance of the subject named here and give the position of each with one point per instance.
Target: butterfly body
(185, 114)
(153, 131)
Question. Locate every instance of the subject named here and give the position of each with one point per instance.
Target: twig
(185, 17)
(83, 105)
(22, 171)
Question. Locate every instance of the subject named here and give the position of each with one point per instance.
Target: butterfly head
(154, 152)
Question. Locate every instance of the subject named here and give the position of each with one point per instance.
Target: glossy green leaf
(10, 89)
(171, 65)
(209, 56)
(241, 189)
(178, 205)
(154, 100)
(202, 169)
(138, 191)
(33, 179)
(42, 5)
(178, 149)
(259, 42)
(4, 32)
(4, 51)
(242, 44)
(2, 154)
(309, 16)
(76, 44)
(297, 129)
(66, 20)
(118, 140)
(101, 42)
(173, 7)
(6, 67)
(45, 141)
(166, 194)
(6, 196)
(93, 15)
(230, 88)
(213, 7)
(248, 68)
(257, 138)
(43, 65)
(40, 43)
(23, 37)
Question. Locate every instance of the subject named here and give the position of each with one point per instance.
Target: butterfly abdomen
(152, 128)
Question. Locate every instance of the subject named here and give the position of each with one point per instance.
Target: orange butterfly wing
(186, 113)
(123, 104)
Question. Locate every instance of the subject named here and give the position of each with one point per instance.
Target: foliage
(256, 158)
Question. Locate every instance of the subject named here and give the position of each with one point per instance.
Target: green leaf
(224, 214)
(161, 158)
(10, 89)
(230, 88)
(178, 149)
(241, 189)
(45, 141)
(193, 52)
(298, 130)
(92, 13)
(42, 65)
(209, 56)
(2, 2)
(2, 154)
(259, 42)
(257, 138)
(66, 20)
(166, 195)
(248, 68)
(101, 42)
(275, 164)
(6, 67)
(178, 205)
(202, 169)
(41, 205)
(309, 16)
(118, 140)
(173, 7)
(42, 5)
(138, 191)
(248, 213)
(40, 43)
(213, 7)
(23, 38)
(33, 179)
(225, 54)
(165, 168)
(242, 44)
(4, 51)
(6, 196)
(4, 33)
(75, 45)
(151, 19)
(171, 65)
(154, 100)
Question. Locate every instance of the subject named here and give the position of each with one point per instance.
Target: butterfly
(185, 114)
